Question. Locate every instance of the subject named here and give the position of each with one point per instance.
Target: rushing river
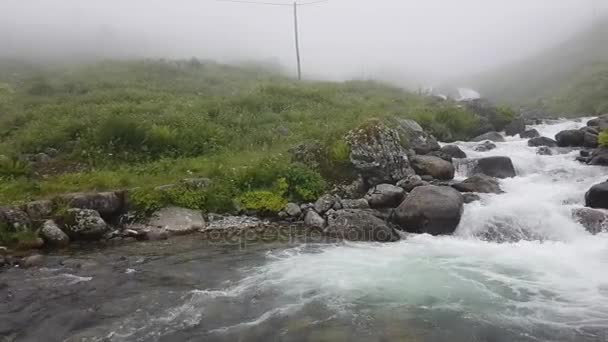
(548, 282)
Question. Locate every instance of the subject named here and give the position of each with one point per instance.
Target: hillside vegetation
(569, 79)
(145, 123)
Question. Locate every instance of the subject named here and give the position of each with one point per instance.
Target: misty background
(413, 42)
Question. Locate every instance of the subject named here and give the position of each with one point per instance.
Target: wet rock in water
(416, 138)
(597, 196)
(479, 183)
(32, 261)
(38, 210)
(434, 167)
(293, 210)
(492, 136)
(411, 182)
(590, 138)
(314, 220)
(453, 151)
(178, 221)
(595, 221)
(85, 224)
(485, 146)
(15, 220)
(470, 197)
(599, 157)
(325, 202)
(430, 209)
(53, 235)
(517, 126)
(385, 196)
(361, 203)
(105, 203)
(544, 151)
(441, 155)
(542, 141)
(529, 134)
(499, 167)
(2, 263)
(377, 154)
(570, 138)
(359, 225)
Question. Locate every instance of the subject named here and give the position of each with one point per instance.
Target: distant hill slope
(566, 79)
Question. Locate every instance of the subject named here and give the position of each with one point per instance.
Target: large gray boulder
(38, 210)
(570, 138)
(479, 183)
(431, 209)
(600, 123)
(359, 225)
(415, 137)
(434, 167)
(409, 183)
(178, 221)
(105, 203)
(492, 136)
(313, 219)
(597, 196)
(53, 235)
(517, 126)
(453, 151)
(529, 134)
(499, 167)
(542, 141)
(293, 210)
(385, 196)
(85, 224)
(361, 203)
(595, 221)
(377, 153)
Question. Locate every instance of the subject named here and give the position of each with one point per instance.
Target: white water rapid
(552, 284)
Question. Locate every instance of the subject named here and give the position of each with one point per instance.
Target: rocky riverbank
(405, 184)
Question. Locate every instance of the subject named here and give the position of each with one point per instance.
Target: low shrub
(603, 139)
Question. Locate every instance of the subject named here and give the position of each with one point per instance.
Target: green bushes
(603, 139)
(11, 238)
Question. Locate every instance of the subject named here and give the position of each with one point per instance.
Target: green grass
(144, 123)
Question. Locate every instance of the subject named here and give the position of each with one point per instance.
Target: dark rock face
(359, 225)
(542, 141)
(385, 196)
(38, 210)
(325, 202)
(435, 210)
(516, 127)
(591, 136)
(434, 167)
(85, 224)
(529, 134)
(417, 139)
(595, 221)
(499, 167)
(470, 197)
(441, 155)
(453, 151)
(355, 204)
(570, 138)
(485, 146)
(599, 157)
(597, 196)
(492, 136)
(377, 154)
(480, 184)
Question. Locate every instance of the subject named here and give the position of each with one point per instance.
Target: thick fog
(423, 40)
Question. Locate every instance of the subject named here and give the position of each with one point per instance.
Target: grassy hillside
(570, 78)
(145, 123)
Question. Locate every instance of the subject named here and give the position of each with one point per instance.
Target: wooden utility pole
(295, 25)
(295, 20)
